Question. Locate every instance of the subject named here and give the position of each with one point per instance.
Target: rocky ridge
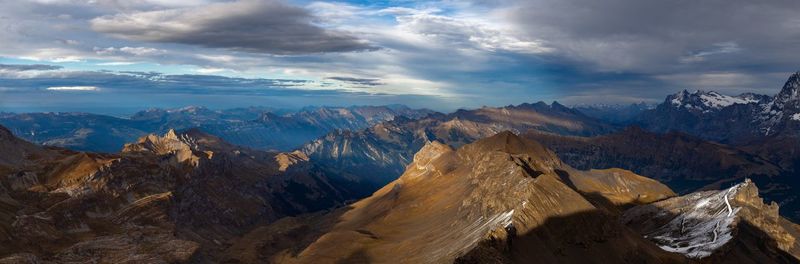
(173, 198)
(501, 198)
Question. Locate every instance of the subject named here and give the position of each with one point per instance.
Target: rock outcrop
(733, 225)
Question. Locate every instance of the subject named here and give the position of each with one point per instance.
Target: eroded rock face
(718, 224)
(138, 245)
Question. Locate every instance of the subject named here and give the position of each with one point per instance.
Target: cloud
(358, 81)
(149, 83)
(718, 48)
(500, 51)
(659, 36)
(713, 80)
(464, 32)
(56, 55)
(29, 67)
(126, 92)
(211, 70)
(270, 27)
(73, 88)
(117, 63)
(135, 51)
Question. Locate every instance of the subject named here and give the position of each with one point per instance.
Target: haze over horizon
(118, 57)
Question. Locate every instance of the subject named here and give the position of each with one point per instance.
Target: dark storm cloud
(357, 81)
(255, 26)
(29, 67)
(660, 36)
(612, 49)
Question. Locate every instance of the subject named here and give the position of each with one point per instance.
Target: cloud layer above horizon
(68, 54)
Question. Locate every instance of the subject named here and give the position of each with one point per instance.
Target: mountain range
(161, 199)
(384, 150)
(190, 197)
(257, 127)
(675, 183)
(736, 120)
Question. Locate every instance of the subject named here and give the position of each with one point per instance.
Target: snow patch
(709, 100)
(715, 100)
(702, 229)
(796, 117)
(468, 236)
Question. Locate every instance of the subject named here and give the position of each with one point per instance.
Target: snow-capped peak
(701, 100)
(785, 106)
(790, 93)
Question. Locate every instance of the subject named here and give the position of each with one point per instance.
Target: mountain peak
(707, 100)
(171, 134)
(789, 96)
(190, 144)
(505, 141)
(509, 143)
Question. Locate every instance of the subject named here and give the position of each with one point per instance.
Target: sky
(116, 57)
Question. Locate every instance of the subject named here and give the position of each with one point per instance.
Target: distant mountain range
(736, 120)
(383, 151)
(700, 139)
(261, 128)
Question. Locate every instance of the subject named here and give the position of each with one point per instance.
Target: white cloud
(211, 70)
(711, 80)
(73, 88)
(117, 63)
(718, 48)
(52, 55)
(466, 32)
(136, 51)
